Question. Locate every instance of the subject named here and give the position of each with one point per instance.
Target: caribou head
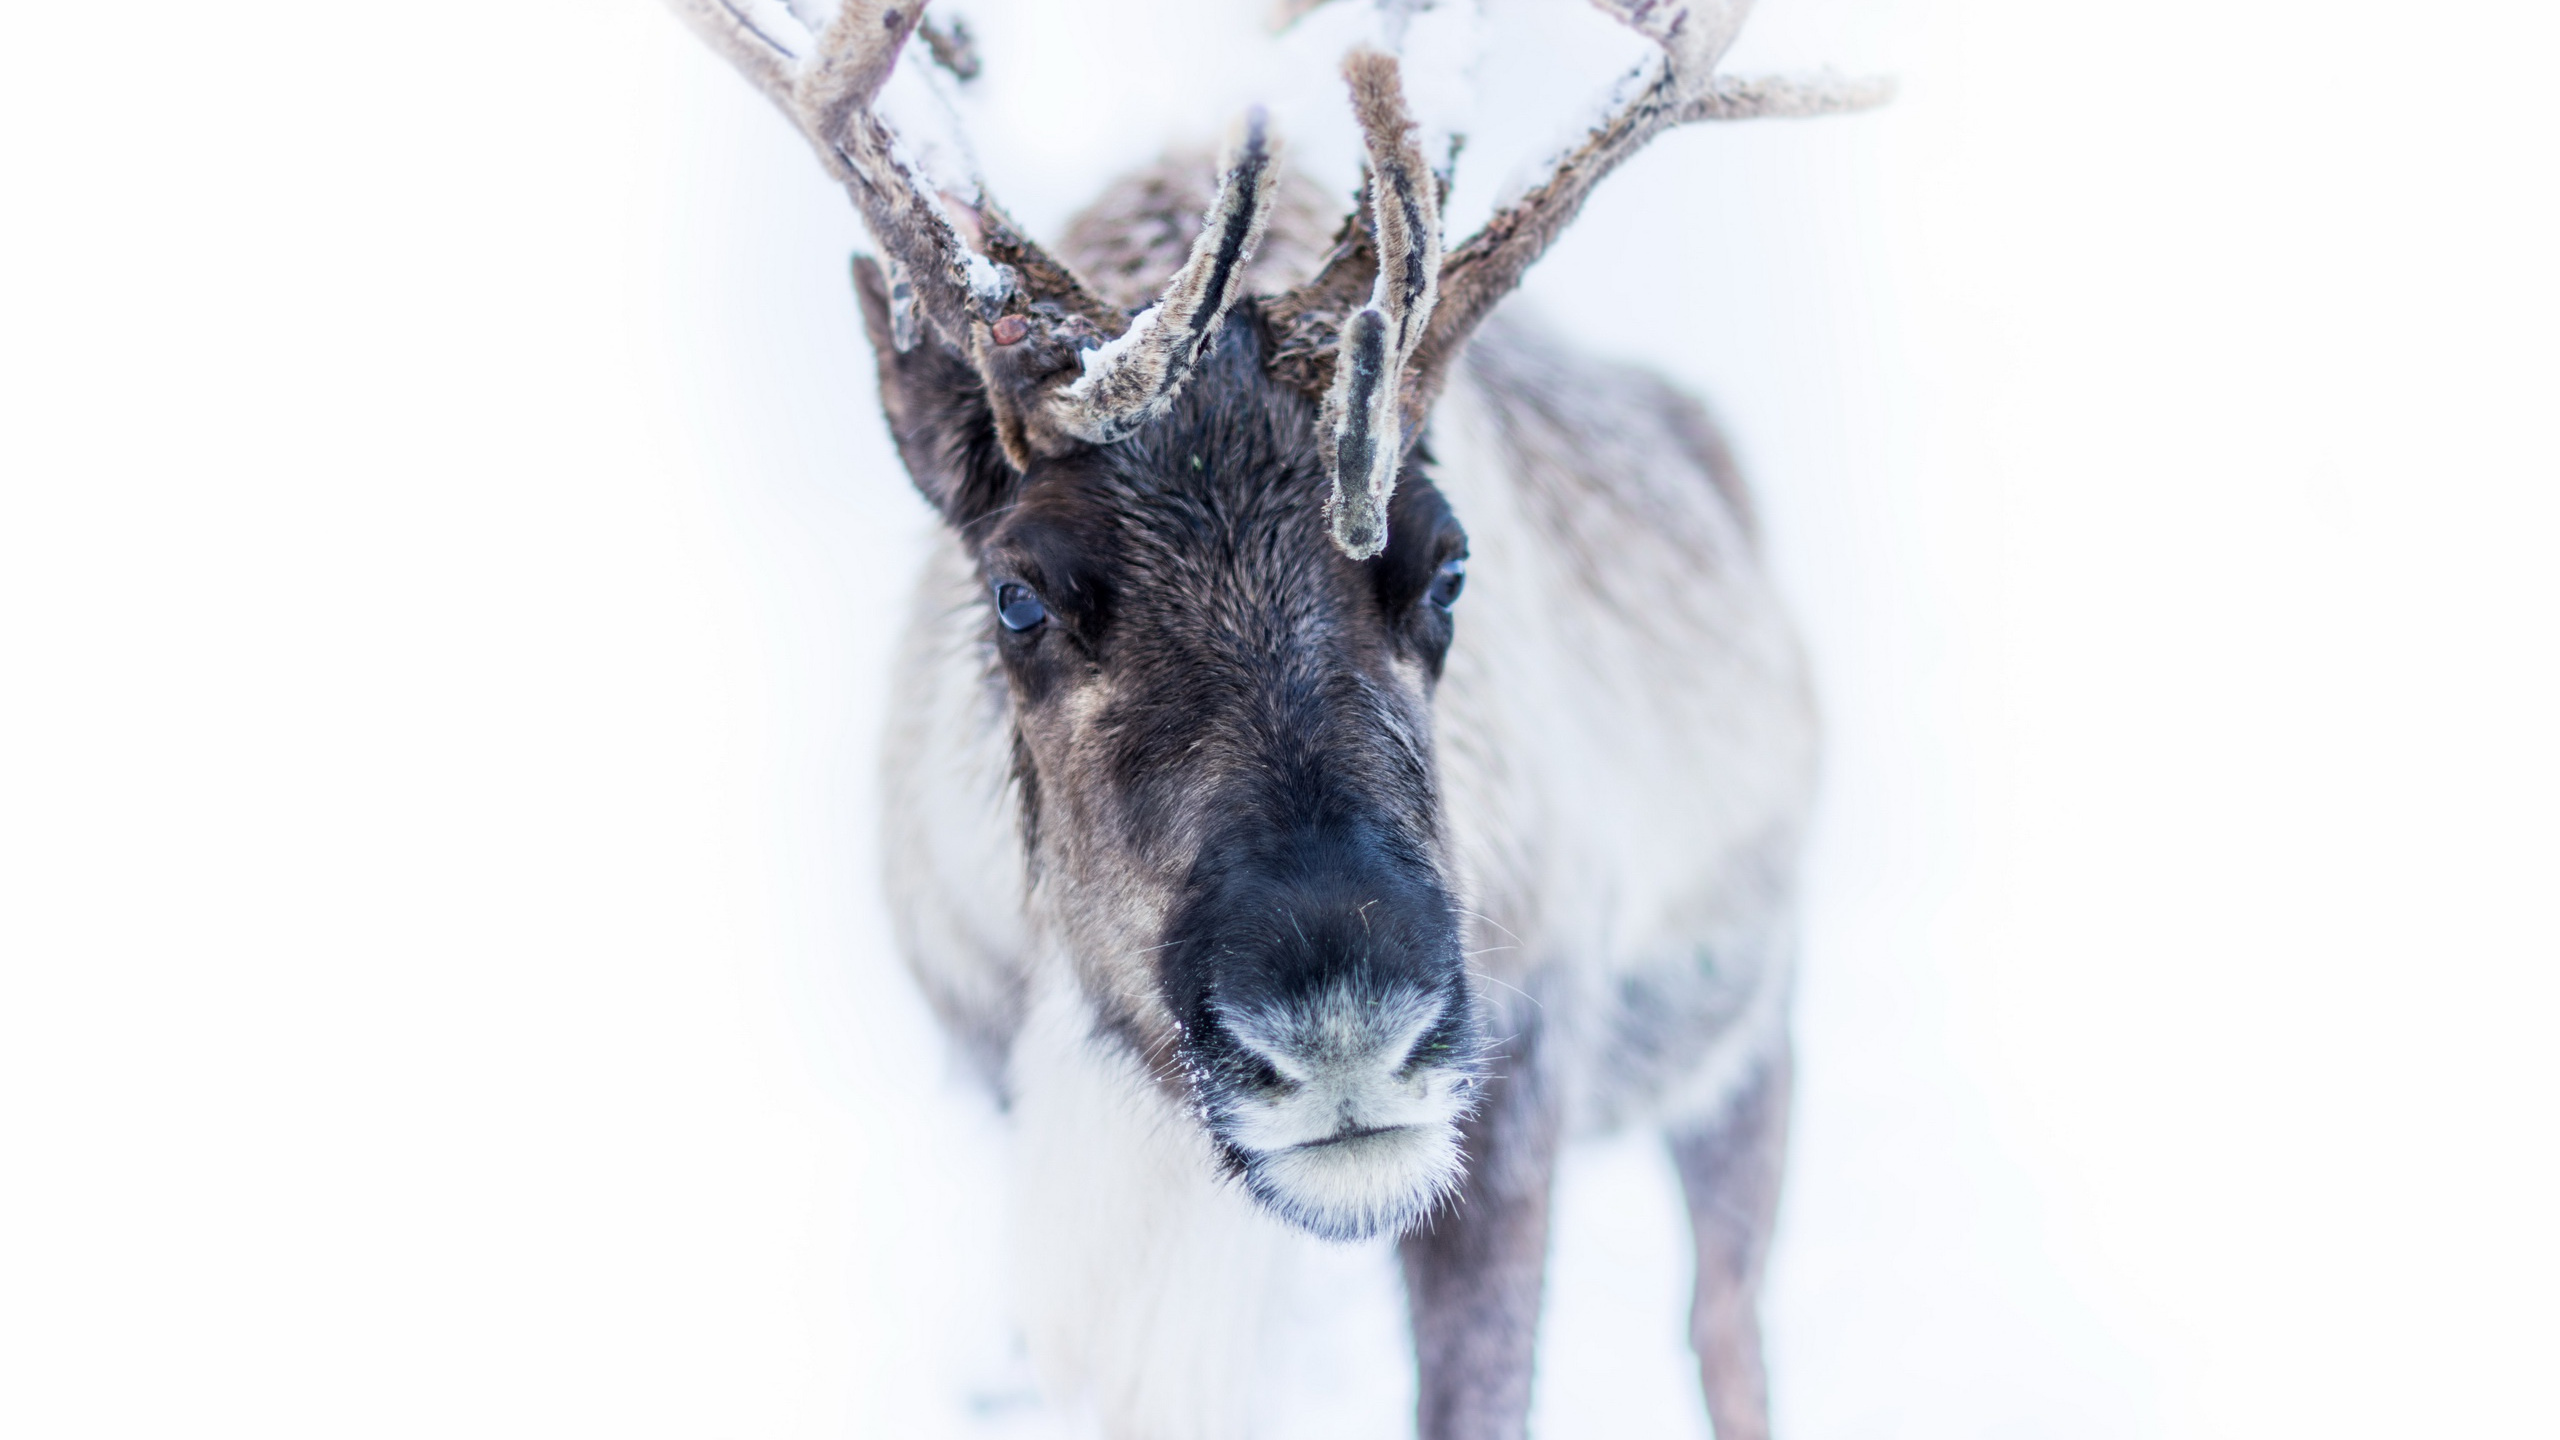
(1219, 586)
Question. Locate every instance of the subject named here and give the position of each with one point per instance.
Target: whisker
(1507, 985)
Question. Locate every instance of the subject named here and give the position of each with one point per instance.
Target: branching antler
(825, 84)
(1677, 87)
(1033, 330)
(1375, 332)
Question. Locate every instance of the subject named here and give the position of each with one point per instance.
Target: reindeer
(1269, 896)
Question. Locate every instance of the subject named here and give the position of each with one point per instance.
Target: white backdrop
(447, 557)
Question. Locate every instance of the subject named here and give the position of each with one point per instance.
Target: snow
(1099, 359)
(986, 281)
(447, 533)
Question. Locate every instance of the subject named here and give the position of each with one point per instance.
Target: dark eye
(1447, 581)
(1017, 607)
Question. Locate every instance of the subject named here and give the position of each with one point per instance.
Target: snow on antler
(825, 83)
(1132, 379)
(1677, 87)
(1389, 358)
(1037, 333)
(1363, 426)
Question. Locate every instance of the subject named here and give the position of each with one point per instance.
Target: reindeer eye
(1017, 607)
(1447, 582)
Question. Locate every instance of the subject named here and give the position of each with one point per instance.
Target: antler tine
(1678, 87)
(1132, 379)
(1049, 383)
(1695, 35)
(1362, 428)
(826, 83)
(764, 41)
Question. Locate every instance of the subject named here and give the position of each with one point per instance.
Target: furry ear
(938, 411)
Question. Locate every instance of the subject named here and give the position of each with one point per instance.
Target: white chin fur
(1356, 1138)
(1376, 1183)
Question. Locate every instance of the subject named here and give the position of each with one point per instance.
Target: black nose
(1274, 925)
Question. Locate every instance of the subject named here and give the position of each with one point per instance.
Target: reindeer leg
(1730, 1172)
(1475, 1270)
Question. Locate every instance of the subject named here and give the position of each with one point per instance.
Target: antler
(1033, 330)
(825, 84)
(1363, 429)
(1382, 388)
(1678, 87)
(1131, 380)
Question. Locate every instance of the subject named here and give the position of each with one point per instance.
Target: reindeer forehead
(1226, 486)
(1211, 539)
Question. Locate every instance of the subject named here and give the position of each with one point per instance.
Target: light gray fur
(1626, 747)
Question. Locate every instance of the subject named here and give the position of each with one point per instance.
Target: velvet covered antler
(1678, 87)
(1363, 430)
(1062, 366)
(1378, 392)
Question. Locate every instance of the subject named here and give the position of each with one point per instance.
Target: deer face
(1223, 743)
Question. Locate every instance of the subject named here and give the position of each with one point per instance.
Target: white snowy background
(448, 555)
